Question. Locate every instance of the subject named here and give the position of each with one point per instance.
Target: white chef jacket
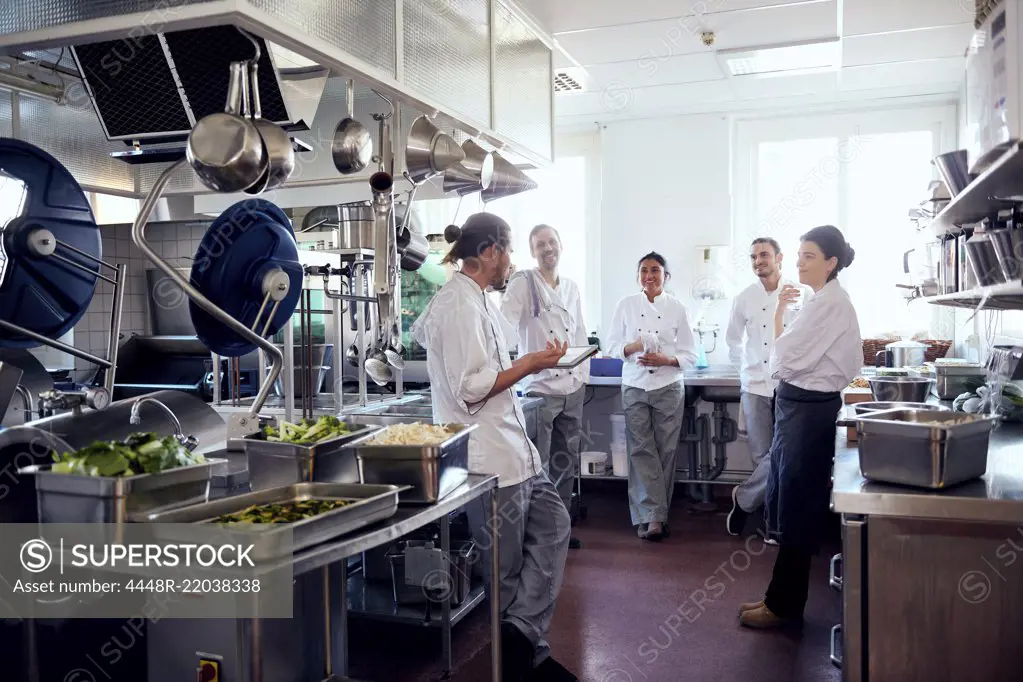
(750, 334)
(552, 314)
(666, 318)
(821, 350)
(463, 334)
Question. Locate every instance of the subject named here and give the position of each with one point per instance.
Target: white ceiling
(645, 58)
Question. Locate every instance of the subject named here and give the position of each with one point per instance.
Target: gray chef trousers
(653, 424)
(759, 411)
(558, 433)
(533, 529)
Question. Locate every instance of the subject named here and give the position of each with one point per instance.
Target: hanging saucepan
(279, 150)
(473, 174)
(352, 147)
(225, 149)
(507, 181)
(429, 152)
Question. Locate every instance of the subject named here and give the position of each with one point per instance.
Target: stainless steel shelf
(982, 197)
(999, 297)
(376, 600)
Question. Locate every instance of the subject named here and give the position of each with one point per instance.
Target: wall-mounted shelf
(1000, 184)
(998, 297)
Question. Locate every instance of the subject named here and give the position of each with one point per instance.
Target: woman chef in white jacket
(650, 332)
(473, 380)
(814, 358)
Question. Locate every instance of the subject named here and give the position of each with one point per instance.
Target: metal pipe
(27, 86)
(217, 398)
(495, 590)
(26, 401)
(720, 440)
(83, 254)
(52, 343)
(97, 275)
(139, 237)
(134, 418)
(114, 342)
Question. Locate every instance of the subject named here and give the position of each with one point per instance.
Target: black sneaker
(575, 543)
(552, 671)
(736, 520)
(517, 654)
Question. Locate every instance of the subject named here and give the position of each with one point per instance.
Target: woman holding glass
(813, 359)
(650, 333)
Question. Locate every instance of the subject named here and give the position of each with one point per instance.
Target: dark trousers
(790, 583)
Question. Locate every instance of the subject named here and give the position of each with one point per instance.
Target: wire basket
(935, 349)
(871, 347)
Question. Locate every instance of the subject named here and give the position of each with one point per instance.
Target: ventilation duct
(154, 87)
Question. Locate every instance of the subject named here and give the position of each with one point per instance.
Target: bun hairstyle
(479, 233)
(833, 244)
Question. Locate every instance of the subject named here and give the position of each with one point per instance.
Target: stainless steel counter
(715, 375)
(995, 498)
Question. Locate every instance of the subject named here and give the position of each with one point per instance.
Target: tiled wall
(175, 241)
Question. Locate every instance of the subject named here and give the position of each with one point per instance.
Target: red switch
(209, 671)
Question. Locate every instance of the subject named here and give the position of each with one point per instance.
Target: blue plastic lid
(246, 242)
(40, 293)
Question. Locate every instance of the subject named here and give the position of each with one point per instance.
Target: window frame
(750, 132)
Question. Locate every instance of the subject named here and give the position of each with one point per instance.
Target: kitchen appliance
(923, 448)
(994, 85)
(901, 354)
(417, 579)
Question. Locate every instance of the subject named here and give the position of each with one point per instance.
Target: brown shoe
(654, 531)
(750, 606)
(761, 618)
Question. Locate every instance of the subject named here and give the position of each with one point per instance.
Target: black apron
(802, 455)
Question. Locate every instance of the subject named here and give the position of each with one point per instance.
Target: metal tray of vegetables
(106, 481)
(305, 452)
(290, 518)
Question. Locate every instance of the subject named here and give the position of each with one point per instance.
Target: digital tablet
(575, 355)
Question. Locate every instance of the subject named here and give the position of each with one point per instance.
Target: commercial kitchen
(222, 220)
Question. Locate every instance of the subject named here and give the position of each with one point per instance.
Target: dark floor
(633, 611)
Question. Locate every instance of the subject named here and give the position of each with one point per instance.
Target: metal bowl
(900, 389)
(868, 408)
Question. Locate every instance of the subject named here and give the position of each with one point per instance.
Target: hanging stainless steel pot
(225, 149)
(352, 147)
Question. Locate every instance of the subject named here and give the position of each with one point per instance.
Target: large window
(861, 173)
(559, 201)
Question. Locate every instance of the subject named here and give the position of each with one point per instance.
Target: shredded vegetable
(413, 434)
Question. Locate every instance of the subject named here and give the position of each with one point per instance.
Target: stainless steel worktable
(994, 498)
(715, 375)
(332, 557)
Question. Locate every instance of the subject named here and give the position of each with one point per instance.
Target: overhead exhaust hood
(154, 87)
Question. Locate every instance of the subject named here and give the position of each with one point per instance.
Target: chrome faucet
(189, 442)
(26, 401)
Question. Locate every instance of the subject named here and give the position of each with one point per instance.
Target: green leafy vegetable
(139, 453)
(286, 512)
(307, 432)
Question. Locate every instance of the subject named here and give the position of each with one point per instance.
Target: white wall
(665, 188)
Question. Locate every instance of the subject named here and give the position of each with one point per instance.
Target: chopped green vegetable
(286, 512)
(139, 453)
(307, 432)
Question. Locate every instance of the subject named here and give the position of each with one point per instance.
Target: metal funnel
(507, 180)
(429, 152)
(474, 173)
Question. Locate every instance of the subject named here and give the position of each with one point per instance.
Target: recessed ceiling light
(782, 60)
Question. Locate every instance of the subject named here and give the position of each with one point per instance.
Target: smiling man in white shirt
(544, 306)
(750, 338)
